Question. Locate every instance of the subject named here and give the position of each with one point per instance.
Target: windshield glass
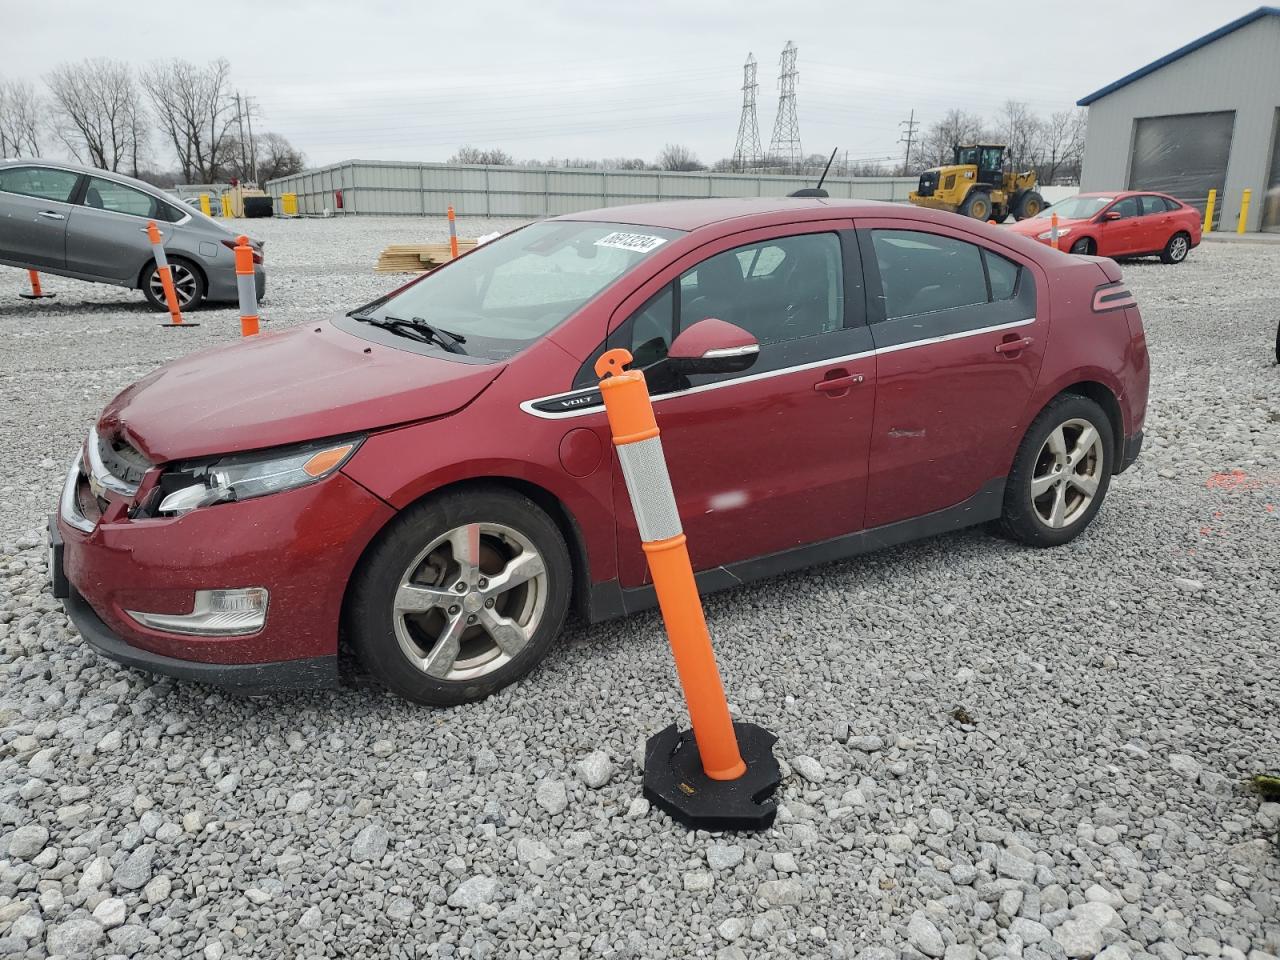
(1075, 208)
(513, 290)
(967, 155)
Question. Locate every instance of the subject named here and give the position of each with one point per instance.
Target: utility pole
(909, 137)
(253, 153)
(240, 125)
(746, 151)
(784, 146)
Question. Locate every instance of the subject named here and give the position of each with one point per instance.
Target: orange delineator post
(246, 288)
(166, 275)
(635, 435)
(1053, 232)
(37, 292)
(453, 235)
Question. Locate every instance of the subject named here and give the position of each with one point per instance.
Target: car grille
(928, 183)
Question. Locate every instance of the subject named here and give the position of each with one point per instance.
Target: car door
(35, 203)
(1157, 224)
(107, 233)
(775, 457)
(1122, 236)
(959, 342)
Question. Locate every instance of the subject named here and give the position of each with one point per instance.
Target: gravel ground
(989, 750)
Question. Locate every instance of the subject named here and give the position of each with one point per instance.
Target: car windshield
(1075, 208)
(509, 292)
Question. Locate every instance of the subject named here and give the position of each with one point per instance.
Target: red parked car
(1125, 224)
(431, 476)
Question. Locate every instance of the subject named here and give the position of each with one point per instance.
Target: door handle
(1013, 346)
(838, 384)
(52, 215)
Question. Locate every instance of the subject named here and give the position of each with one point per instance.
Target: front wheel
(1176, 250)
(462, 595)
(1082, 246)
(188, 286)
(1060, 474)
(977, 205)
(1029, 204)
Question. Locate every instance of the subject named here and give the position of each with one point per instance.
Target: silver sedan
(89, 224)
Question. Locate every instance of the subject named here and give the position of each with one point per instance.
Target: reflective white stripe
(528, 405)
(162, 259)
(248, 294)
(644, 468)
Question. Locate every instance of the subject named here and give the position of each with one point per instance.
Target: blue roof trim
(1194, 45)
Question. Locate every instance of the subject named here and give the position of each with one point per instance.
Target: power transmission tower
(908, 137)
(746, 151)
(784, 147)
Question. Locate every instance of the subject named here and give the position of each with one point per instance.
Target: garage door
(1271, 199)
(1184, 156)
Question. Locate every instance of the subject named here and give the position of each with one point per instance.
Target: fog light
(216, 613)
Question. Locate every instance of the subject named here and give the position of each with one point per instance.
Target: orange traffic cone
(36, 292)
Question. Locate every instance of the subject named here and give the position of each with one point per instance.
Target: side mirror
(712, 346)
(1111, 215)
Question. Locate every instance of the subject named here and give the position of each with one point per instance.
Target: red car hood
(1035, 226)
(286, 387)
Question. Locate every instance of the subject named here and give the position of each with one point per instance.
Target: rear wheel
(188, 285)
(461, 596)
(977, 205)
(1176, 250)
(1060, 474)
(1029, 204)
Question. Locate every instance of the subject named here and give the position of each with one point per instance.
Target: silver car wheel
(184, 284)
(1067, 473)
(1178, 249)
(470, 601)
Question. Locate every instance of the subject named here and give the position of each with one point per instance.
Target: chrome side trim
(98, 472)
(68, 508)
(744, 351)
(528, 405)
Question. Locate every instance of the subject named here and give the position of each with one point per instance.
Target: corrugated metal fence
(417, 189)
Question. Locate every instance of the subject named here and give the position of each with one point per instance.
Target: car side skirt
(610, 599)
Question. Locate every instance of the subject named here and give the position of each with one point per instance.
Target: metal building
(1206, 116)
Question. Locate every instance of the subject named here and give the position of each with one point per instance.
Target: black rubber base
(32, 296)
(674, 781)
(184, 323)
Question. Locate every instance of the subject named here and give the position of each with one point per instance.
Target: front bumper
(301, 545)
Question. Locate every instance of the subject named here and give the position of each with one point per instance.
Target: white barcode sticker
(637, 242)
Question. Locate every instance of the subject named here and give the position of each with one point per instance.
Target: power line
(784, 146)
(746, 151)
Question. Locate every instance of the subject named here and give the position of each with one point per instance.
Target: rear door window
(40, 182)
(1152, 205)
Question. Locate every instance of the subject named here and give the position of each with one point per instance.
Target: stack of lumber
(417, 257)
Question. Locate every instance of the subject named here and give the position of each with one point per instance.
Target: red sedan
(431, 476)
(1125, 224)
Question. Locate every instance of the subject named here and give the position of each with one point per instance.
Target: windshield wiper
(416, 329)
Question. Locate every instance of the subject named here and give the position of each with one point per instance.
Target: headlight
(244, 476)
(1048, 234)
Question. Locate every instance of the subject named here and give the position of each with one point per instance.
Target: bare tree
(944, 135)
(1061, 146)
(20, 123)
(493, 157)
(676, 156)
(1022, 133)
(195, 109)
(275, 156)
(97, 113)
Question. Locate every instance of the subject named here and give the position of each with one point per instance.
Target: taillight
(231, 245)
(1112, 296)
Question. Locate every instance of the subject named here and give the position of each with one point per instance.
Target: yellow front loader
(977, 185)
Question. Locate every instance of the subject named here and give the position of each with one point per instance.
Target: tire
(999, 214)
(1064, 508)
(977, 205)
(1083, 246)
(1176, 250)
(188, 283)
(1029, 204)
(401, 606)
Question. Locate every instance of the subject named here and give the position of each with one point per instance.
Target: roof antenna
(817, 191)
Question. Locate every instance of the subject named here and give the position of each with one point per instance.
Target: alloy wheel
(1177, 248)
(184, 284)
(1068, 470)
(470, 602)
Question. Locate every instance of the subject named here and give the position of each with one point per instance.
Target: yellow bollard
(1244, 210)
(289, 204)
(205, 208)
(1208, 210)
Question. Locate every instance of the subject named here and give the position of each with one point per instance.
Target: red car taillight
(231, 245)
(1112, 296)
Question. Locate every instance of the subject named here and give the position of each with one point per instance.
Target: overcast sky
(413, 81)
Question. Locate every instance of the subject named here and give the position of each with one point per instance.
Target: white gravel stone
(732, 928)
(474, 892)
(552, 796)
(1189, 767)
(77, 938)
(595, 769)
(1079, 938)
(370, 843)
(724, 856)
(778, 893)
(699, 881)
(27, 841)
(111, 912)
(923, 934)
(157, 890)
(809, 768)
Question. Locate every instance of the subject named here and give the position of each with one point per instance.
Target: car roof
(1121, 194)
(81, 168)
(696, 214)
